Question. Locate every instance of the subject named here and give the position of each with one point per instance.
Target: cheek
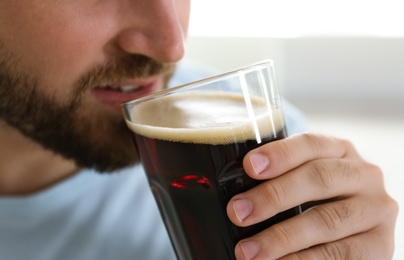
(65, 54)
(57, 48)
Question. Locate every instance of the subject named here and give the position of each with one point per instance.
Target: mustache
(113, 72)
(129, 67)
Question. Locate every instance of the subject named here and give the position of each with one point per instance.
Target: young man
(65, 66)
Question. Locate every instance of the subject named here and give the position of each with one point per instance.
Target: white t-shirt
(95, 216)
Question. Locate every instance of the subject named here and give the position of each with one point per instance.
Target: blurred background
(341, 62)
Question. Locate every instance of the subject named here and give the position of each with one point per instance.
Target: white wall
(316, 68)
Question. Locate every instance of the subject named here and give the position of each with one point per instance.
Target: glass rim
(232, 73)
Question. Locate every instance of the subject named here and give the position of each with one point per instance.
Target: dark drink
(194, 168)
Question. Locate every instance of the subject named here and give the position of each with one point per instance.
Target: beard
(73, 128)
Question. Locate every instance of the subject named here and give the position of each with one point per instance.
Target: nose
(155, 28)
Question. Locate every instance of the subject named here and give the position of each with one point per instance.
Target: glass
(191, 141)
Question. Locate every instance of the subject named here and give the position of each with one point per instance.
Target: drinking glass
(191, 141)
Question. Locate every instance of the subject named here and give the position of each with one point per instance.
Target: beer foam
(205, 118)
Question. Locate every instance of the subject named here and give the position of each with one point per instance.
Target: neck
(26, 167)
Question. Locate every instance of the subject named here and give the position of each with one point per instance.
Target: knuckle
(331, 251)
(315, 143)
(347, 144)
(375, 170)
(283, 237)
(348, 172)
(294, 256)
(345, 250)
(329, 174)
(328, 217)
(375, 174)
(391, 207)
(334, 217)
(273, 193)
(322, 174)
(284, 153)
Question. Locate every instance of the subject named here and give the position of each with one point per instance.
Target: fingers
(367, 245)
(276, 158)
(327, 232)
(316, 180)
(357, 215)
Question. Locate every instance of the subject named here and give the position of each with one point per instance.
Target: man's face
(66, 65)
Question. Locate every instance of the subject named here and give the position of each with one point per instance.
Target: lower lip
(115, 98)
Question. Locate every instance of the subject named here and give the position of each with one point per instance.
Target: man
(65, 66)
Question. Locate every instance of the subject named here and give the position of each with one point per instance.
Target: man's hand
(355, 220)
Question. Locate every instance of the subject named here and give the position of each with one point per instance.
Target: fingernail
(250, 249)
(259, 162)
(242, 208)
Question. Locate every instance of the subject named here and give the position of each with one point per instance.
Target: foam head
(205, 117)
